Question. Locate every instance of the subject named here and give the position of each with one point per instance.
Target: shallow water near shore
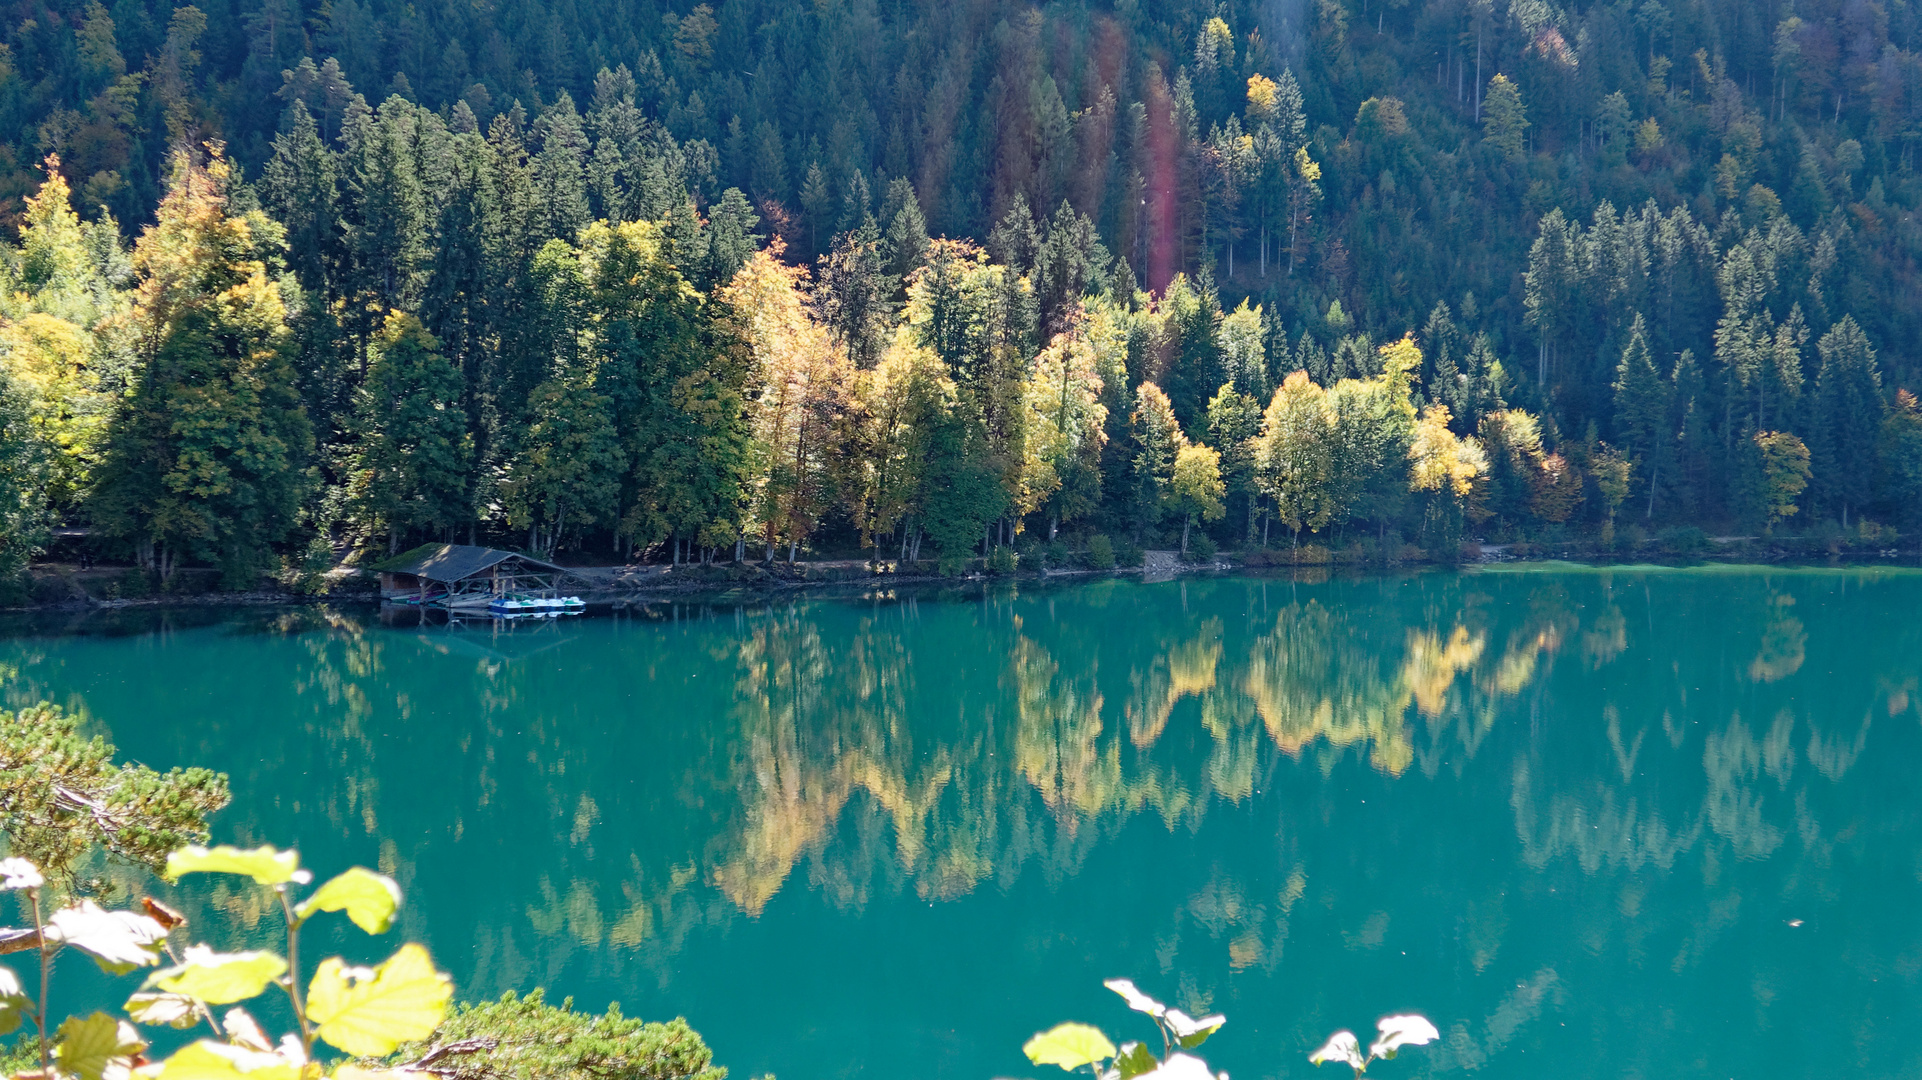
(1638, 821)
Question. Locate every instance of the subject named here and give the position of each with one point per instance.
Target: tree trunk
(1186, 523)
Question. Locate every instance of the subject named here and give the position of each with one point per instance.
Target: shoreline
(735, 581)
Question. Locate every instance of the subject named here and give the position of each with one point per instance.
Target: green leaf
(1069, 1045)
(369, 899)
(369, 1013)
(14, 1002)
(220, 978)
(1135, 1060)
(118, 941)
(209, 1060)
(97, 1047)
(173, 1010)
(264, 864)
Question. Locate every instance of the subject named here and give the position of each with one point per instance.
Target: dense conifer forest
(756, 279)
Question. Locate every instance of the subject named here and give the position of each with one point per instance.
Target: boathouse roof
(456, 562)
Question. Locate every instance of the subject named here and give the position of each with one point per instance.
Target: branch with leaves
(364, 1012)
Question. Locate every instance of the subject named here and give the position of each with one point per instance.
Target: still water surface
(1646, 822)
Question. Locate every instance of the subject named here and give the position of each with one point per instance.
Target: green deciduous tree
(208, 457)
(1293, 459)
(567, 474)
(1783, 473)
(413, 456)
(1195, 490)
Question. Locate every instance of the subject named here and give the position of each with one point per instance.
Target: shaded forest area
(614, 277)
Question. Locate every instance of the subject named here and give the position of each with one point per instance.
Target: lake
(1632, 822)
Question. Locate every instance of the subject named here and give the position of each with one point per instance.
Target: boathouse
(462, 575)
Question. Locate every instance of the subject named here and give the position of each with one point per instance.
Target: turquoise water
(1635, 823)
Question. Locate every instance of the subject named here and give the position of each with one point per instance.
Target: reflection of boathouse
(464, 576)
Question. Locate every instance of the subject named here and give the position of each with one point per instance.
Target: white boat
(510, 606)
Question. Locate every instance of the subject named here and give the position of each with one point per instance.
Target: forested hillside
(758, 277)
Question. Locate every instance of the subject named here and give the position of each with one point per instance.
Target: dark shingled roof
(457, 562)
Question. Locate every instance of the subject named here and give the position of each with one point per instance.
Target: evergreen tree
(1848, 418)
(731, 238)
(853, 292)
(905, 241)
(1642, 410)
(561, 170)
(1158, 441)
(1505, 119)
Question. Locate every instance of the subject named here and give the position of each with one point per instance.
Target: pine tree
(560, 170)
(906, 238)
(1158, 441)
(731, 238)
(853, 292)
(1848, 417)
(1506, 119)
(1642, 410)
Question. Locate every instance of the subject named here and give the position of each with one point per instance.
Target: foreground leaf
(1400, 1031)
(1182, 1067)
(1190, 1032)
(97, 1047)
(18, 873)
(1135, 1060)
(220, 978)
(264, 864)
(173, 1010)
(15, 1005)
(209, 1060)
(369, 1015)
(1342, 1046)
(244, 1030)
(118, 941)
(369, 899)
(1070, 1046)
(1136, 1000)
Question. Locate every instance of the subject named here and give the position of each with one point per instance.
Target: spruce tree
(1642, 410)
(1848, 417)
(1505, 119)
